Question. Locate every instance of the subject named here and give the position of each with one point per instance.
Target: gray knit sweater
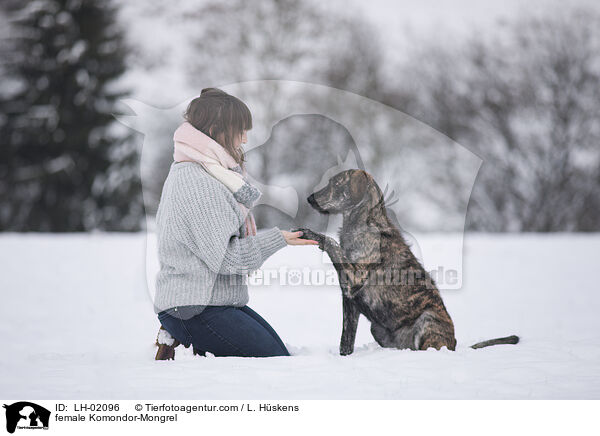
(204, 260)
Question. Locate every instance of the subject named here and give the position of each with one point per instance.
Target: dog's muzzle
(311, 200)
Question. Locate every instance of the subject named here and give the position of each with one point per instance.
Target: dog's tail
(498, 341)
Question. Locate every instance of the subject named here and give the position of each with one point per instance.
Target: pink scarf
(191, 145)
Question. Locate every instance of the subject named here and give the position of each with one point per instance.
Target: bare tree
(527, 100)
(287, 40)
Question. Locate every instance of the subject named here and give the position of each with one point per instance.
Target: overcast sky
(455, 15)
(396, 21)
(401, 22)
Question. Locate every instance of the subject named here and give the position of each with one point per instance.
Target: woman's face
(242, 139)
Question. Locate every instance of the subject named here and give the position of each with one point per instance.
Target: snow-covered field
(77, 323)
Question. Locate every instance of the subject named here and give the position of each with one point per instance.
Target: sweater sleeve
(211, 229)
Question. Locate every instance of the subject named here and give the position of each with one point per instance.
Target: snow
(77, 322)
(164, 338)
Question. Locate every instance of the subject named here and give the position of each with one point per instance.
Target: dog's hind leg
(437, 341)
(381, 335)
(425, 332)
(401, 338)
(350, 323)
(429, 332)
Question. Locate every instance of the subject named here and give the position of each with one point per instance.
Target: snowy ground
(77, 323)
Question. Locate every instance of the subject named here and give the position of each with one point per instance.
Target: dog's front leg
(349, 326)
(352, 275)
(347, 272)
(333, 249)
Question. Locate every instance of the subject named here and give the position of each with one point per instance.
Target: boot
(166, 345)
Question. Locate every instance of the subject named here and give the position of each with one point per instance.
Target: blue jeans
(224, 331)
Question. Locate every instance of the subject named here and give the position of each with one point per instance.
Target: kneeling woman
(207, 239)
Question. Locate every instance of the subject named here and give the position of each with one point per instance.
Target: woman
(207, 239)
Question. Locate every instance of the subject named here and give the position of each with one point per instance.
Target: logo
(428, 170)
(26, 415)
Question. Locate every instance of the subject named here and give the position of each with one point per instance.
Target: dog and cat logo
(26, 415)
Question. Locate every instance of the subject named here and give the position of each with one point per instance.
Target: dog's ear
(359, 182)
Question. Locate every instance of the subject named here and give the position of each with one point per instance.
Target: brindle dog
(379, 275)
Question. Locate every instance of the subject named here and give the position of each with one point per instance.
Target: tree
(527, 100)
(240, 41)
(65, 163)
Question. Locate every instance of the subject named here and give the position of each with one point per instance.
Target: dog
(379, 275)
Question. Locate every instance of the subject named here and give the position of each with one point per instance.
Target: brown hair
(221, 116)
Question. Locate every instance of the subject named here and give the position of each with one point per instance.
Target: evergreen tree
(65, 163)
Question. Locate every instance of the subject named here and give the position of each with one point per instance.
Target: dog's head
(345, 191)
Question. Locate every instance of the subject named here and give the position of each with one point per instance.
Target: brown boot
(166, 345)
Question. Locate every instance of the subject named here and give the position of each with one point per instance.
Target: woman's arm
(209, 229)
(244, 255)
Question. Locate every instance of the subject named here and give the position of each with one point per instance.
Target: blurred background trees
(527, 100)
(238, 41)
(65, 163)
(523, 96)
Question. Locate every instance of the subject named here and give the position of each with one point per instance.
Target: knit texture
(204, 258)
(193, 145)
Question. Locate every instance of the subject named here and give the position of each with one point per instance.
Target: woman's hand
(293, 238)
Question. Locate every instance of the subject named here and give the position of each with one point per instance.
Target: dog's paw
(346, 350)
(309, 234)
